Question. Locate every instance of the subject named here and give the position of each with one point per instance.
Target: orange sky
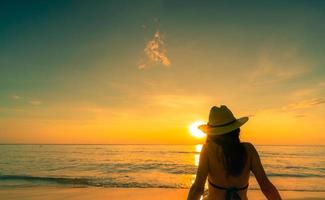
(142, 127)
(142, 73)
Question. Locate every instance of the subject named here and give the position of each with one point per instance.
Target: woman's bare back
(217, 172)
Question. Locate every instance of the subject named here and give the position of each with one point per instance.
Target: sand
(93, 193)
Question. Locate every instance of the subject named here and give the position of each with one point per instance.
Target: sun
(195, 132)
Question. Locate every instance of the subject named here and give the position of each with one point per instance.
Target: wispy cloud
(31, 101)
(35, 102)
(16, 97)
(278, 63)
(304, 104)
(179, 101)
(155, 52)
(4, 109)
(304, 92)
(297, 109)
(300, 115)
(321, 84)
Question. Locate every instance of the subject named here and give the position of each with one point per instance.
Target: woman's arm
(197, 188)
(267, 187)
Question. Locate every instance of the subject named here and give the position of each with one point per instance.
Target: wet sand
(93, 193)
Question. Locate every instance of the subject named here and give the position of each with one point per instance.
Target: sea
(290, 168)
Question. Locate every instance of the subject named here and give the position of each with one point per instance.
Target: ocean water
(291, 168)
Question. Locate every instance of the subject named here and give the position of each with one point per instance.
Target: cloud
(179, 101)
(300, 115)
(304, 104)
(155, 52)
(298, 109)
(304, 92)
(35, 102)
(27, 100)
(10, 110)
(321, 84)
(16, 97)
(278, 63)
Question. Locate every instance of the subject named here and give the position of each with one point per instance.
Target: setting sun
(195, 131)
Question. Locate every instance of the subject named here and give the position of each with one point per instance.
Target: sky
(141, 72)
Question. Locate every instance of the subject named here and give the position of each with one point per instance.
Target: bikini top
(231, 193)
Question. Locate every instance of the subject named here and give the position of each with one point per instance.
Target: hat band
(223, 124)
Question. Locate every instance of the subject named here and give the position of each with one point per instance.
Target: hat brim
(209, 130)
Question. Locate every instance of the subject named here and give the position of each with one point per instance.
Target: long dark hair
(234, 153)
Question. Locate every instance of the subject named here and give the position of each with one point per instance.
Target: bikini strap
(231, 193)
(223, 188)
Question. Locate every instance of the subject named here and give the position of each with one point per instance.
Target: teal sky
(69, 70)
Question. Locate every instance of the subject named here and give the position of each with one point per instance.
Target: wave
(83, 182)
(60, 180)
(301, 175)
(100, 182)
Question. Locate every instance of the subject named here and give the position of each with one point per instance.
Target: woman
(227, 162)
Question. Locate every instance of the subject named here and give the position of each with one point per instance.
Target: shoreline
(96, 193)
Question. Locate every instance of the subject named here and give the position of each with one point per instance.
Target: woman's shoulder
(249, 147)
(212, 146)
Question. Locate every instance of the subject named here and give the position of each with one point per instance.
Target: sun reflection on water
(196, 159)
(198, 149)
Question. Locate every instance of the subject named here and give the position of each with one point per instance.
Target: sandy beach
(93, 193)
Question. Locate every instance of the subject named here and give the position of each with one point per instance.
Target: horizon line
(147, 144)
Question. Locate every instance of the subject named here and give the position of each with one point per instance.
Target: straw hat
(221, 121)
